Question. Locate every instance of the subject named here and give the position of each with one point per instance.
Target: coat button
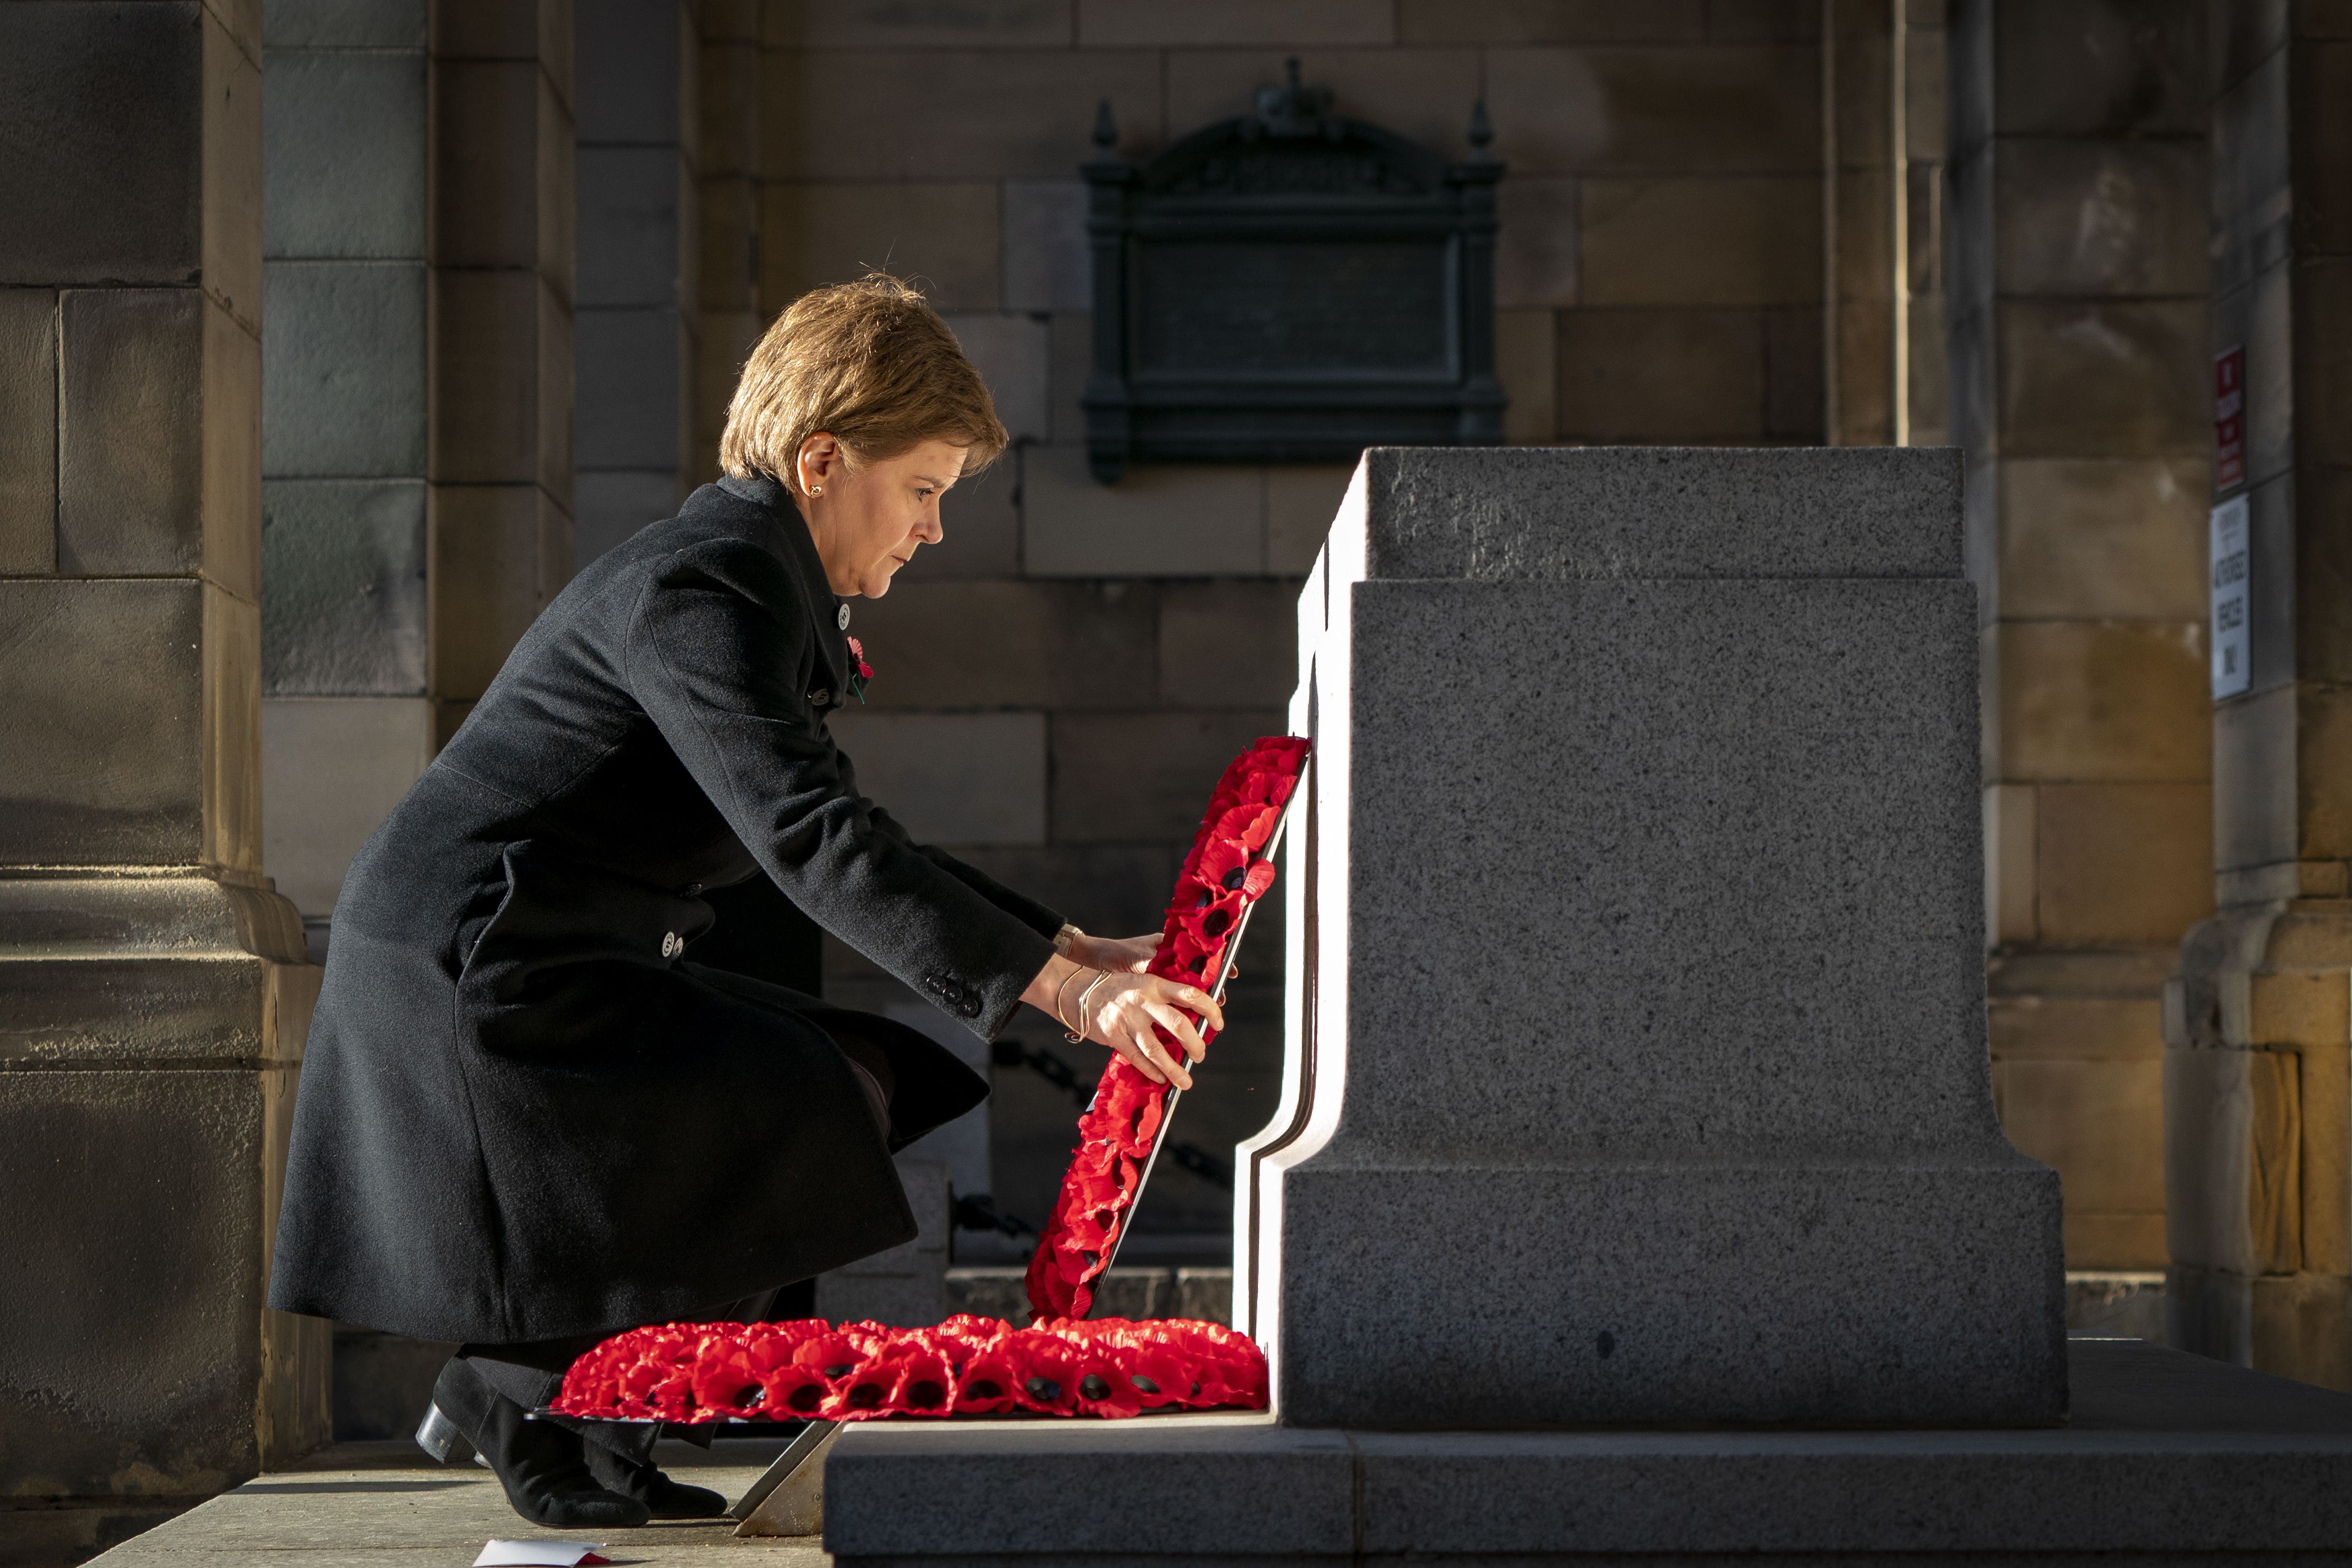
(670, 944)
(842, 619)
(822, 695)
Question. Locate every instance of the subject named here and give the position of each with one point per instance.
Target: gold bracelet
(1087, 996)
(1059, 992)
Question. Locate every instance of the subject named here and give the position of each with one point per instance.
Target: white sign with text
(2231, 654)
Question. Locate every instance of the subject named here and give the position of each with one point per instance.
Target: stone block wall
(153, 988)
(2078, 355)
(638, 65)
(416, 393)
(1097, 652)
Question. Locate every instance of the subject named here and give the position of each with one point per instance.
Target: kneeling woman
(528, 1118)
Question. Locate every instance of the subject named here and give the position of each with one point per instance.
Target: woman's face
(869, 522)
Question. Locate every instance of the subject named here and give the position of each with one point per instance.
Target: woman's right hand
(1118, 1010)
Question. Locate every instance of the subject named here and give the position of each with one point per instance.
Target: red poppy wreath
(695, 1372)
(1226, 872)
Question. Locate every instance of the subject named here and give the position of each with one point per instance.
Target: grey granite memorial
(1636, 1187)
(1637, 998)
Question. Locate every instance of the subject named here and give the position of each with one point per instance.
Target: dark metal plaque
(1290, 286)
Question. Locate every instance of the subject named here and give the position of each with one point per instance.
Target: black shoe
(539, 1463)
(639, 1479)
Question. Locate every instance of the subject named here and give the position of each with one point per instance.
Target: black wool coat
(525, 1110)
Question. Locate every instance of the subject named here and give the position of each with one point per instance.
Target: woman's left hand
(1118, 955)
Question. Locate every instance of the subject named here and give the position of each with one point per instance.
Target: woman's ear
(820, 462)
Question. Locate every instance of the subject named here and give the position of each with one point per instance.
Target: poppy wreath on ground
(1110, 1368)
(1225, 874)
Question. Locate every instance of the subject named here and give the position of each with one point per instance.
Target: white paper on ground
(539, 1554)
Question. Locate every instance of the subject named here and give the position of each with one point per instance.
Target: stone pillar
(1882, 69)
(153, 988)
(640, 128)
(2077, 350)
(345, 721)
(2258, 1153)
(500, 453)
(1636, 1067)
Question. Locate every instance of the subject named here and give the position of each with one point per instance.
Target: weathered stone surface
(626, 70)
(1559, 22)
(131, 452)
(1686, 512)
(979, 114)
(28, 430)
(343, 370)
(822, 232)
(2093, 379)
(344, 23)
(1527, 346)
(1059, 646)
(342, 611)
(332, 768)
(1010, 352)
(1227, 644)
(1142, 777)
(2111, 701)
(343, 143)
(1109, 23)
(1713, 108)
(100, 157)
(882, 24)
(631, 199)
(102, 758)
(1536, 259)
(486, 413)
(1663, 375)
(613, 505)
(1746, 241)
(953, 778)
(486, 563)
(632, 379)
(152, 1184)
(1047, 266)
(2122, 863)
(1155, 522)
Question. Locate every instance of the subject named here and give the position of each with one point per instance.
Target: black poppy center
(1043, 1390)
(1093, 1388)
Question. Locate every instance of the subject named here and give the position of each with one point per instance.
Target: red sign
(2229, 418)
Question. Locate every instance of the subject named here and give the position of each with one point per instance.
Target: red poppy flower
(1047, 1372)
(986, 1386)
(1248, 826)
(1256, 880)
(1222, 865)
(857, 652)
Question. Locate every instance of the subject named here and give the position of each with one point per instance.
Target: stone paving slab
(386, 1505)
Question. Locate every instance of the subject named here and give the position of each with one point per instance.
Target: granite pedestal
(2169, 1459)
(1637, 1068)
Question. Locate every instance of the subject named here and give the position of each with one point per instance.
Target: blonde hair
(871, 364)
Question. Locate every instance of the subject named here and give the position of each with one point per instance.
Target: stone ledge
(2166, 1453)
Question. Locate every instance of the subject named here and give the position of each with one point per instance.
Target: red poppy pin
(864, 672)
